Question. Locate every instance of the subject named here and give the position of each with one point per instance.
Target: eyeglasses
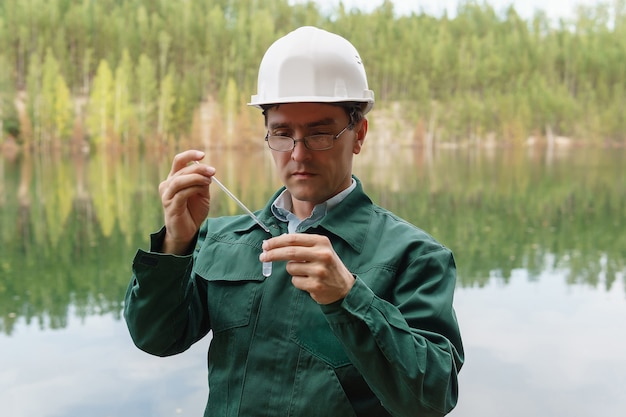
(313, 143)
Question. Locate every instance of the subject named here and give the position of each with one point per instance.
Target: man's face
(312, 177)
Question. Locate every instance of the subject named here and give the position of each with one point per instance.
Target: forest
(153, 72)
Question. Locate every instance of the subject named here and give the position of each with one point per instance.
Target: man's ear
(360, 136)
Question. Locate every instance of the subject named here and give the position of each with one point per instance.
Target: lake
(538, 235)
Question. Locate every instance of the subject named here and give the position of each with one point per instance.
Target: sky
(555, 9)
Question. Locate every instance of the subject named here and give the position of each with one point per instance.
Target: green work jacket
(391, 347)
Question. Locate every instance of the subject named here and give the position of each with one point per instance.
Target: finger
(322, 255)
(299, 247)
(302, 283)
(199, 184)
(288, 253)
(307, 270)
(295, 239)
(183, 159)
(319, 292)
(182, 196)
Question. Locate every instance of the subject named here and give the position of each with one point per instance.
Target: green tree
(9, 121)
(122, 105)
(145, 95)
(166, 107)
(188, 96)
(34, 89)
(63, 110)
(101, 104)
(47, 94)
(230, 109)
(55, 102)
(494, 58)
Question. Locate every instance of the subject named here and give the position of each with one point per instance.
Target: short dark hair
(354, 110)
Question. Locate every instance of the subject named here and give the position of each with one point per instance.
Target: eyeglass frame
(350, 126)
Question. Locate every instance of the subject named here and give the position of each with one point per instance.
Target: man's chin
(304, 194)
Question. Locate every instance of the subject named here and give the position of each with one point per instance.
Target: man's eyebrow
(323, 122)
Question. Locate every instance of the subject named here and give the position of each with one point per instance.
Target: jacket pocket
(234, 285)
(311, 332)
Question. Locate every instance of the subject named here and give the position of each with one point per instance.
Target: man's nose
(300, 152)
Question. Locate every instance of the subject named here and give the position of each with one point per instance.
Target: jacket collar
(349, 220)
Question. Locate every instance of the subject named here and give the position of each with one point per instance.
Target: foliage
(101, 103)
(8, 112)
(68, 231)
(481, 71)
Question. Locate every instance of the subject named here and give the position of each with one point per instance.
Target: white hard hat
(312, 65)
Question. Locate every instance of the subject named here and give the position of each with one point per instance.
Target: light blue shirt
(282, 206)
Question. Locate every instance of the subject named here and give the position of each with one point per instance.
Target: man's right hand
(186, 199)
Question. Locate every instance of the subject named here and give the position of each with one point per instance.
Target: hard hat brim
(368, 102)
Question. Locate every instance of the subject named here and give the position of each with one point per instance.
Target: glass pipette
(246, 209)
(267, 266)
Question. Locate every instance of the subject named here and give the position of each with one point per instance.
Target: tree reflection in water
(70, 225)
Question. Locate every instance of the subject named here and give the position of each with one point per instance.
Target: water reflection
(537, 236)
(535, 349)
(69, 226)
(513, 210)
(91, 368)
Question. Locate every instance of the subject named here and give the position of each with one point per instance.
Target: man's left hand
(312, 263)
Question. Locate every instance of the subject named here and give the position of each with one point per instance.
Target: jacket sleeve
(408, 351)
(165, 307)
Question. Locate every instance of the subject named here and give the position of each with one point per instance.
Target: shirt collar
(282, 208)
(357, 207)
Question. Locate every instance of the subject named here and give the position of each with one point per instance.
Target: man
(356, 318)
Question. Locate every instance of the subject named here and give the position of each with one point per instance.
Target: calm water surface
(538, 237)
